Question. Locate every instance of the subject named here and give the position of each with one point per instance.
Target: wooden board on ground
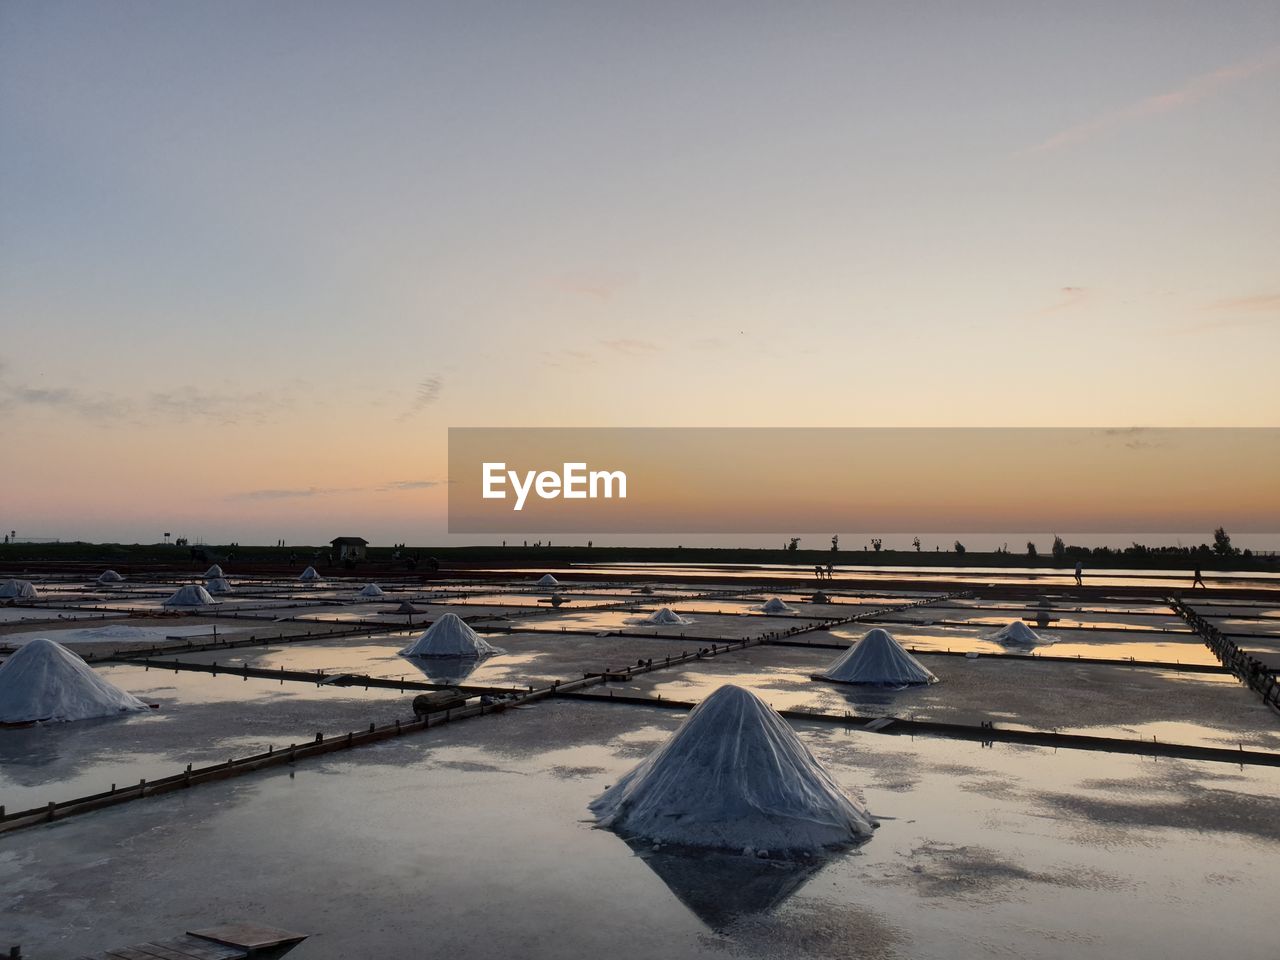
(249, 936)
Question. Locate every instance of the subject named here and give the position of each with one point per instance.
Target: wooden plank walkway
(232, 941)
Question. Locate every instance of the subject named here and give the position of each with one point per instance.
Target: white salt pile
(664, 616)
(548, 580)
(774, 605)
(219, 585)
(109, 576)
(449, 637)
(1018, 634)
(44, 681)
(17, 590)
(309, 575)
(214, 573)
(372, 590)
(878, 660)
(190, 595)
(734, 776)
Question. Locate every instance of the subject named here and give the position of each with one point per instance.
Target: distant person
(1199, 579)
(1079, 573)
(831, 570)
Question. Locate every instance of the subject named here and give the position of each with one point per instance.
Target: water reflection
(721, 887)
(449, 670)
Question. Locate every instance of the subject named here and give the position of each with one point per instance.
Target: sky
(256, 259)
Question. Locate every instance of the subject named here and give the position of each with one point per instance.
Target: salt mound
(109, 576)
(548, 581)
(219, 585)
(44, 681)
(819, 597)
(214, 573)
(191, 595)
(406, 607)
(878, 659)
(734, 775)
(774, 605)
(372, 590)
(449, 637)
(1018, 634)
(664, 616)
(646, 589)
(309, 575)
(17, 590)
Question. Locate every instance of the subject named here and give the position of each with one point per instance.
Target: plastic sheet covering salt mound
(191, 595)
(214, 573)
(734, 777)
(371, 590)
(309, 575)
(450, 637)
(878, 660)
(44, 681)
(775, 605)
(1018, 634)
(109, 576)
(17, 590)
(219, 585)
(547, 580)
(664, 616)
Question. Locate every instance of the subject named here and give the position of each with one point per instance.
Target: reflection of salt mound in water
(406, 607)
(219, 585)
(774, 605)
(450, 670)
(191, 595)
(734, 776)
(664, 616)
(46, 681)
(17, 590)
(720, 887)
(372, 590)
(879, 660)
(214, 573)
(109, 576)
(449, 637)
(1018, 634)
(547, 580)
(309, 575)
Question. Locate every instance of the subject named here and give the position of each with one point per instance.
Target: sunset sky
(256, 258)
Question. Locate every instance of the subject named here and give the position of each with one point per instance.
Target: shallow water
(997, 852)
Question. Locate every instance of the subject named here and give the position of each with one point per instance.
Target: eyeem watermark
(574, 482)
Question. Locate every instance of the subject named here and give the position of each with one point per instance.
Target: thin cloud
(307, 493)
(1237, 312)
(631, 348)
(1068, 297)
(299, 494)
(1262, 303)
(177, 405)
(1138, 438)
(229, 408)
(428, 392)
(1194, 91)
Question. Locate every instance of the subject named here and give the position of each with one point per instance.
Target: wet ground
(473, 838)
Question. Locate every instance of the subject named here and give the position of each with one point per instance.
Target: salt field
(1116, 769)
